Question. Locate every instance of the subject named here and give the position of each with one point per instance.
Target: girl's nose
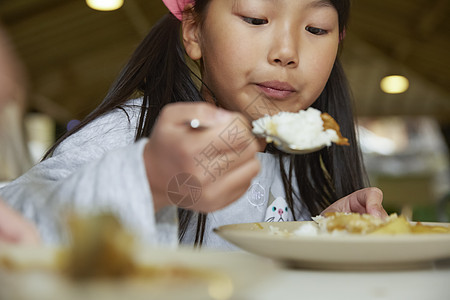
(284, 50)
(280, 211)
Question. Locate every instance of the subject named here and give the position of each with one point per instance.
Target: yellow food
(330, 123)
(368, 224)
(102, 248)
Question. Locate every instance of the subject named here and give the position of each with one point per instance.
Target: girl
(14, 156)
(147, 160)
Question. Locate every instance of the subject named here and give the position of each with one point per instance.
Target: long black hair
(158, 72)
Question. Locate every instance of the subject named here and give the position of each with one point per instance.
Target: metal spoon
(279, 143)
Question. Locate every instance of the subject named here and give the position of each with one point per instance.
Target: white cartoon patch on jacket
(278, 210)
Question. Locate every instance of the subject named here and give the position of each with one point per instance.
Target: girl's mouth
(276, 89)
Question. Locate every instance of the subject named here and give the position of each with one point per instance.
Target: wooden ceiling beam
(432, 18)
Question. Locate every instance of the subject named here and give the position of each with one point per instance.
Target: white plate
(36, 275)
(339, 252)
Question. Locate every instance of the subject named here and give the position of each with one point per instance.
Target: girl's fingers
(228, 187)
(15, 229)
(373, 203)
(218, 158)
(207, 114)
(226, 146)
(368, 200)
(211, 151)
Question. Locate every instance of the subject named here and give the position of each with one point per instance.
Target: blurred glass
(41, 134)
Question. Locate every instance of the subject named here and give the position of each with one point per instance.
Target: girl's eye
(255, 21)
(315, 30)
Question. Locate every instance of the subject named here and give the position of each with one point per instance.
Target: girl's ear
(191, 35)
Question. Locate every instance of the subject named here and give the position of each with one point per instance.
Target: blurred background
(72, 53)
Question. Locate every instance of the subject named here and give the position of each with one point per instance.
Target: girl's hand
(15, 229)
(201, 169)
(364, 201)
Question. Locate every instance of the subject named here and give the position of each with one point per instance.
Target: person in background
(14, 155)
(139, 156)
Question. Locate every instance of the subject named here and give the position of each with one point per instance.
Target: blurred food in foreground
(101, 247)
(104, 262)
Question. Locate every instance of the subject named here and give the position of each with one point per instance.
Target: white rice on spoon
(303, 130)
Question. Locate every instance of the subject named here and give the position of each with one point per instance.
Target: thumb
(374, 205)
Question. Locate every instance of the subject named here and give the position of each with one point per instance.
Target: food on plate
(400, 225)
(354, 223)
(306, 129)
(349, 222)
(359, 224)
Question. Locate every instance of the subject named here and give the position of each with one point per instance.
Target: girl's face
(262, 56)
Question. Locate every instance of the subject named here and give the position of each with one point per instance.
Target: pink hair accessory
(176, 7)
(342, 35)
